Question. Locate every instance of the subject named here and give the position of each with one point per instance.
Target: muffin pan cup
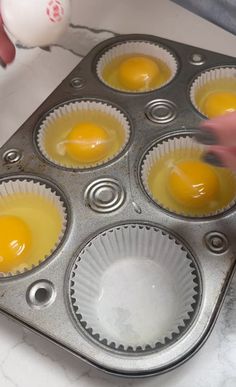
(188, 149)
(42, 298)
(82, 111)
(207, 78)
(41, 193)
(134, 287)
(148, 49)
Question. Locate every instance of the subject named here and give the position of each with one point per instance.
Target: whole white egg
(36, 22)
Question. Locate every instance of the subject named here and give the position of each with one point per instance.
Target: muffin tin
(131, 288)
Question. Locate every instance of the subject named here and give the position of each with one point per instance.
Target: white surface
(25, 359)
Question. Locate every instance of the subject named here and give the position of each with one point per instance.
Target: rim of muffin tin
(177, 134)
(118, 156)
(170, 51)
(158, 347)
(59, 192)
(189, 88)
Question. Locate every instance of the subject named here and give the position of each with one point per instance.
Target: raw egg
(87, 143)
(182, 183)
(90, 134)
(219, 103)
(193, 183)
(15, 242)
(31, 226)
(138, 72)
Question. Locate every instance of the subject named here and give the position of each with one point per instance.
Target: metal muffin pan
(111, 196)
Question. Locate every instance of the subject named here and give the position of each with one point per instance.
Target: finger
(220, 130)
(221, 156)
(7, 48)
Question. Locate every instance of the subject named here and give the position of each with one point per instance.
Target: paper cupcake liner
(189, 148)
(13, 187)
(139, 47)
(134, 288)
(86, 110)
(206, 78)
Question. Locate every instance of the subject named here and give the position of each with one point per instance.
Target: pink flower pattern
(55, 11)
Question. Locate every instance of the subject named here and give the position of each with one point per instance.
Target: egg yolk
(87, 143)
(219, 103)
(137, 72)
(193, 183)
(15, 242)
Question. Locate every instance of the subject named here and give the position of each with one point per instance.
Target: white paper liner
(134, 286)
(81, 107)
(12, 187)
(141, 48)
(206, 78)
(168, 146)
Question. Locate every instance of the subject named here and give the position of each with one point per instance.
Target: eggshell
(36, 23)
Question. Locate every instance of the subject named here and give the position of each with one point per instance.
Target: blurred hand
(7, 48)
(219, 134)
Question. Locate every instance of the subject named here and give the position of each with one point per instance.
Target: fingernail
(206, 137)
(213, 159)
(2, 64)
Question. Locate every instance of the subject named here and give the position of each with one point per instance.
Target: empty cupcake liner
(186, 148)
(134, 288)
(86, 111)
(142, 48)
(22, 187)
(208, 77)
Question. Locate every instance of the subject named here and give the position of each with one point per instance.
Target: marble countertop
(26, 359)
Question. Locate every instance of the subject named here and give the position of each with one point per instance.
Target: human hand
(7, 48)
(219, 134)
